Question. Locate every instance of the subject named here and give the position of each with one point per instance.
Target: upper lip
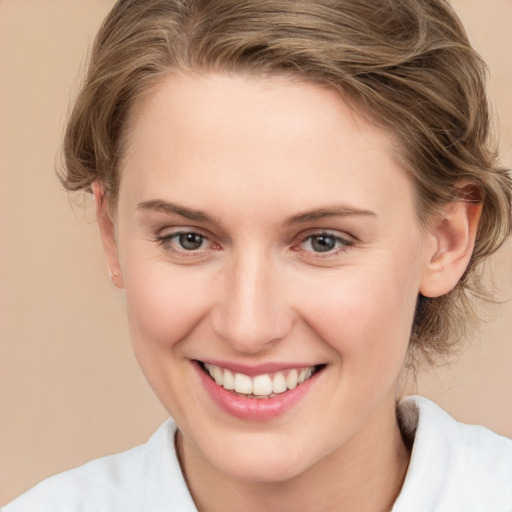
(259, 369)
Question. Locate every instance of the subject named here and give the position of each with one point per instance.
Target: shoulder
(93, 486)
(454, 466)
(147, 477)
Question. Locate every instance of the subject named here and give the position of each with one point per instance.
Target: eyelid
(171, 231)
(346, 242)
(327, 232)
(166, 235)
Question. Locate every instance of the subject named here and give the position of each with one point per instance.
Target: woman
(294, 197)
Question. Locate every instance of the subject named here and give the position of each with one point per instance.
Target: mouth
(248, 393)
(262, 386)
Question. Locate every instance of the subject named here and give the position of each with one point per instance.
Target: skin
(253, 155)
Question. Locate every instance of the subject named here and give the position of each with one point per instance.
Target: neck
(365, 474)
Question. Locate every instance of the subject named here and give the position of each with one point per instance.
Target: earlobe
(451, 243)
(107, 231)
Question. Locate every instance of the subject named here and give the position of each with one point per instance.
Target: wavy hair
(408, 64)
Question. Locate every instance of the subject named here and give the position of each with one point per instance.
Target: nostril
(251, 331)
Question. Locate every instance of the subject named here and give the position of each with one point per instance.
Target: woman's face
(265, 229)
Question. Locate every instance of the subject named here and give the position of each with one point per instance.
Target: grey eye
(323, 243)
(190, 241)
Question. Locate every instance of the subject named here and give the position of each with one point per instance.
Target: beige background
(70, 389)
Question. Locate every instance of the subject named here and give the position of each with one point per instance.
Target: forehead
(260, 138)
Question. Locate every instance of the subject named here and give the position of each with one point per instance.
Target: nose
(252, 313)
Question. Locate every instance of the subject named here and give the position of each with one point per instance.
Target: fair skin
(263, 226)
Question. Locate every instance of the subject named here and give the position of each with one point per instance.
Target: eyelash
(342, 243)
(166, 241)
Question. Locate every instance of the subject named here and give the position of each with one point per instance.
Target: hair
(408, 64)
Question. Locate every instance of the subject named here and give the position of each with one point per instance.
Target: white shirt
(454, 468)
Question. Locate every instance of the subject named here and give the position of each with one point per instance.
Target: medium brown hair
(406, 63)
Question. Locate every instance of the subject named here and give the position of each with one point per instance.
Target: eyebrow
(339, 210)
(172, 208)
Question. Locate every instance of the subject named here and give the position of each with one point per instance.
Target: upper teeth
(260, 385)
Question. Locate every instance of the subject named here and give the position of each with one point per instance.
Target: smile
(259, 396)
(266, 385)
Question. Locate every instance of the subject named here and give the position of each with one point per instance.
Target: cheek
(163, 305)
(364, 315)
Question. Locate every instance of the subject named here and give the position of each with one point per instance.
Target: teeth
(243, 384)
(260, 386)
(279, 383)
(218, 375)
(305, 374)
(292, 379)
(229, 380)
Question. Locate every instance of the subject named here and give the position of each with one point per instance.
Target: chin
(260, 461)
(263, 471)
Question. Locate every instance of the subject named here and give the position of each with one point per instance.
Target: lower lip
(255, 409)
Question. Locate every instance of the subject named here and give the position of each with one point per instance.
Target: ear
(451, 242)
(107, 231)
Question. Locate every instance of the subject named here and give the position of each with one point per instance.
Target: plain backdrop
(70, 389)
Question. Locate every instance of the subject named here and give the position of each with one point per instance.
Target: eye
(184, 241)
(324, 243)
(190, 241)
